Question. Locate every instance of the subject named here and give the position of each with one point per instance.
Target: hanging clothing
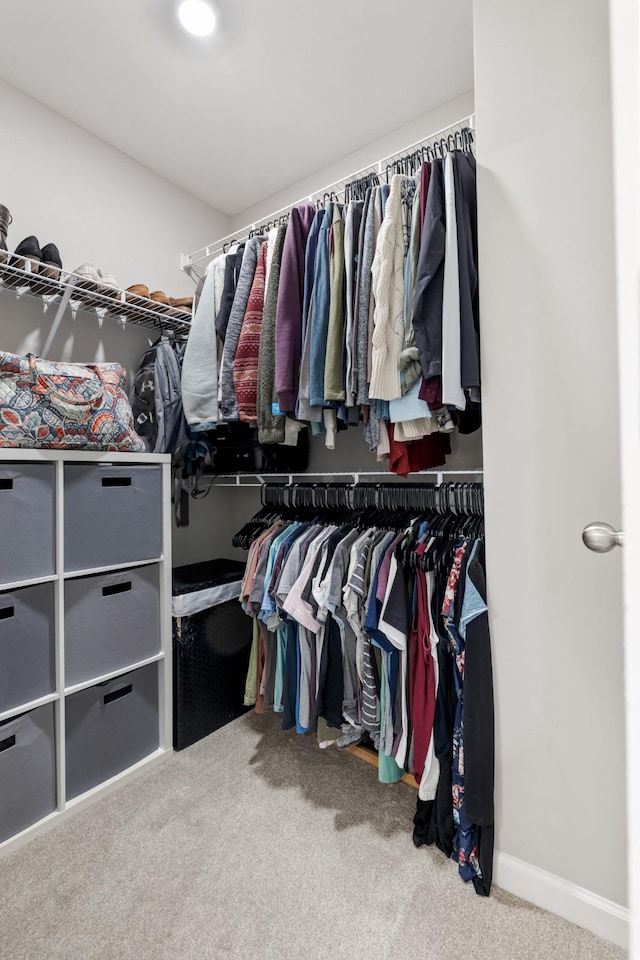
(364, 313)
(384, 634)
(464, 171)
(289, 310)
(478, 717)
(271, 240)
(320, 309)
(334, 370)
(200, 364)
(425, 173)
(233, 263)
(310, 268)
(409, 362)
(363, 290)
(271, 422)
(379, 212)
(427, 304)
(425, 683)
(352, 224)
(418, 455)
(387, 273)
(361, 277)
(452, 392)
(228, 400)
(245, 364)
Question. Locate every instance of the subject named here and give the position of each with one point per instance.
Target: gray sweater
(228, 399)
(364, 309)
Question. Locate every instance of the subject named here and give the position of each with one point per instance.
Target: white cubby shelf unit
(85, 629)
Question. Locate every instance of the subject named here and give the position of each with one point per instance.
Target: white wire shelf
(255, 480)
(195, 264)
(91, 295)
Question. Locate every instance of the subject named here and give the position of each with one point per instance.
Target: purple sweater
(289, 311)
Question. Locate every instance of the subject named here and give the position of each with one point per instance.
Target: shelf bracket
(57, 320)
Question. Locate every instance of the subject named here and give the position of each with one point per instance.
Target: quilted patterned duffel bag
(65, 405)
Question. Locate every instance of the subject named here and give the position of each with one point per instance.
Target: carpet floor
(255, 844)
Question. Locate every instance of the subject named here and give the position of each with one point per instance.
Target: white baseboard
(586, 909)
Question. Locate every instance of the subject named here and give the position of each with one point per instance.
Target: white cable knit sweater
(387, 274)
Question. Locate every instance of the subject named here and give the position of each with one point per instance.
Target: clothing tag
(276, 411)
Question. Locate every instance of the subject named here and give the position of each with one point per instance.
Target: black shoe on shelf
(51, 262)
(29, 250)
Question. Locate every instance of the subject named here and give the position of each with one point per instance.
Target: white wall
(99, 206)
(551, 447)
(393, 142)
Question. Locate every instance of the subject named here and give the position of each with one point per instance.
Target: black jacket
(427, 303)
(464, 178)
(231, 273)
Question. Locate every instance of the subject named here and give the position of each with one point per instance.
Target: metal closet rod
(258, 479)
(190, 260)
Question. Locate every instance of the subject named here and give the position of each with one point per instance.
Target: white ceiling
(283, 88)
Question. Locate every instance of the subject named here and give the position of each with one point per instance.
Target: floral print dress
(465, 845)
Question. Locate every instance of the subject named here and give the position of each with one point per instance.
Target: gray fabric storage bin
(109, 727)
(27, 770)
(111, 621)
(27, 645)
(112, 514)
(27, 521)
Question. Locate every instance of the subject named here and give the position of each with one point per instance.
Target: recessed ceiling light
(197, 17)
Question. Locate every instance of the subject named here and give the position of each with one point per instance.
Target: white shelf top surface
(25, 707)
(18, 454)
(76, 687)
(111, 568)
(34, 581)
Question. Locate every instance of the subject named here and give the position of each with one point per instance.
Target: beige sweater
(387, 274)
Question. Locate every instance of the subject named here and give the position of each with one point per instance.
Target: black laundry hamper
(212, 638)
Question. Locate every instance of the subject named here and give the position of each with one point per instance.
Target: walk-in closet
(318, 460)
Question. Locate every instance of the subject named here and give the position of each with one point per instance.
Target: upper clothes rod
(195, 263)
